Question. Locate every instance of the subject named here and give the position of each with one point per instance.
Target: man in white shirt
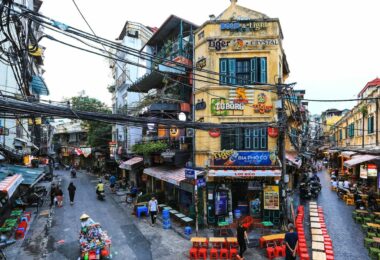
(153, 209)
(346, 184)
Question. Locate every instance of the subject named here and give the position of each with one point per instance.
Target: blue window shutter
(253, 70)
(232, 71)
(223, 71)
(263, 70)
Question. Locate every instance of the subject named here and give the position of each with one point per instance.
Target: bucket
(237, 213)
(165, 214)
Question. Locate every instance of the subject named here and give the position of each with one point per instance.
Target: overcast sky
(333, 47)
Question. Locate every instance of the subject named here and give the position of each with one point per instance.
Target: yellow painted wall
(207, 91)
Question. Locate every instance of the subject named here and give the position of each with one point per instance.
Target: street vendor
(86, 220)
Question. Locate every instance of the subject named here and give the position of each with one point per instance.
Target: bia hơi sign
(243, 158)
(261, 106)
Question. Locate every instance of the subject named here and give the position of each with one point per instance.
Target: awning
(170, 175)
(244, 173)
(10, 184)
(333, 151)
(30, 175)
(347, 154)
(358, 159)
(127, 165)
(293, 159)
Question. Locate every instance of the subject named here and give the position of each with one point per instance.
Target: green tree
(99, 133)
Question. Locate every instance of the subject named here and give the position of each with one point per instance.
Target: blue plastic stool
(142, 209)
(188, 231)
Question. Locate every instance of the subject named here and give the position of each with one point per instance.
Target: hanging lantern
(174, 132)
(214, 132)
(273, 132)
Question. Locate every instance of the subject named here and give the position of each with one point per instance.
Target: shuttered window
(243, 71)
(244, 139)
(371, 127)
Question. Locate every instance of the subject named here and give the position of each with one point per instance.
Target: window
(245, 138)
(371, 120)
(340, 134)
(351, 130)
(243, 71)
(359, 127)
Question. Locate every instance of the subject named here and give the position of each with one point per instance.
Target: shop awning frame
(170, 175)
(10, 184)
(127, 165)
(358, 159)
(348, 154)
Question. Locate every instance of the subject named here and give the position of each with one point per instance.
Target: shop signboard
(201, 182)
(220, 44)
(371, 170)
(271, 198)
(242, 158)
(189, 173)
(224, 107)
(363, 172)
(243, 26)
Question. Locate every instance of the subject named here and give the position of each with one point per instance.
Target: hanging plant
(151, 147)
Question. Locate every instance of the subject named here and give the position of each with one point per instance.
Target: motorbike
(100, 195)
(310, 189)
(73, 173)
(341, 192)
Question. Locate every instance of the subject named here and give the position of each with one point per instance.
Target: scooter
(100, 195)
(73, 173)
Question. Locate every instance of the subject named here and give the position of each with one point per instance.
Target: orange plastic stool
(304, 257)
(223, 253)
(270, 252)
(193, 253)
(202, 253)
(213, 253)
(233, 253)
(280, 251)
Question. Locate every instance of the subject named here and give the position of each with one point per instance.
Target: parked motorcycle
(310, 189)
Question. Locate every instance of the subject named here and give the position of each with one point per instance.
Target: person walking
(72, 190)
(241, 238)
(153, 209)
(291, 241)
(112, 183)
(59, 196)
(52, 194)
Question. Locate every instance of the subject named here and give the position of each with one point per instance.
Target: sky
(332, 47)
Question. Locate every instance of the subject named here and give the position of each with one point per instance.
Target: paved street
(131, 238)
(347, 237)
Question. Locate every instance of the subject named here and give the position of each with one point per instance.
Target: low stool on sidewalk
(193, 253)
(350, 202)
(202, 253)
(142, 209)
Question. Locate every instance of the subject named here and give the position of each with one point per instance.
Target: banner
(243, 158)
(272, 198)
(372, 170)
(363, 172)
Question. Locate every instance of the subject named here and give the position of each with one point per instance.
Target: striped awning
(358, 159)
(127, 165)
(170, 175)
(10, 184)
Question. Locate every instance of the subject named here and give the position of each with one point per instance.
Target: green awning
(30, 175)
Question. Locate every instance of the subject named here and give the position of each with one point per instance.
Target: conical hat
(84, 216)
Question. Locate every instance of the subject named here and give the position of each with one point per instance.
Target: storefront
(252, 192)
(132, 171)
(8, 188)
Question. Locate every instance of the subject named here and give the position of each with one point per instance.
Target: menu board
(221, 203)
(271, 198)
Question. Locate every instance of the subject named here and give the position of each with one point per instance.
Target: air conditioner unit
(189, 132)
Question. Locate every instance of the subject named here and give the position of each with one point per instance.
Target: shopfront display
(272, 198)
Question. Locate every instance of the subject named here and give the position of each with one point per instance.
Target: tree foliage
(151, 147)
(99, 133)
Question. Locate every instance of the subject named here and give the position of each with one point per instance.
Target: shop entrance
(247, 197)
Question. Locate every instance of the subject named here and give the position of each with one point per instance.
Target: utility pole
(281, 146)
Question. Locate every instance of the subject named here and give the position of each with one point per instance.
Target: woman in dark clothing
(241, 237)
(291, 240)
(52, 194)
(71, 190)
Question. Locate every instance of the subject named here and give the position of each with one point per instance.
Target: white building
(134, 35)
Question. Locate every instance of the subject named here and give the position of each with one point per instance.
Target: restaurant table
(267, 224)
(187, 220)
(232, 242)
(373, 225)
(217, 241)
(319, 255)
(317, 238)
(317, 246)
(313, 207)
(173, 211)
(312, 203)
(314, 219)
(180, 215)
(198, 241)
(273, 237)
(376, 213)
(360, 211)
(162, 205)
(315, 225)
(314, 214)
(315, 231)
(168, 208)
(314, 210)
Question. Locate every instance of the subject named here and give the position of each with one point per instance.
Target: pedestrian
(291, 240)
(59, 196)
(52, 194)
(112, 183)
(72, 190)
(241, 238)
(153, 209)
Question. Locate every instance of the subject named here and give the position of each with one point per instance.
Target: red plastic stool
(202, 253)
(329, 257)
(328, 247)
(262, 242)
(193, 253)
(233, 253)
(223, 253)
(304, 257)
(270, 251)
(213, 253)
(302, 250)
(329, 252)
(280, 251)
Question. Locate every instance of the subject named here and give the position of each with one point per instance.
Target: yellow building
(357, 133)
(244, 49)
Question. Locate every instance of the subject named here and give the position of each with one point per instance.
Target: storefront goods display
(94, 241)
